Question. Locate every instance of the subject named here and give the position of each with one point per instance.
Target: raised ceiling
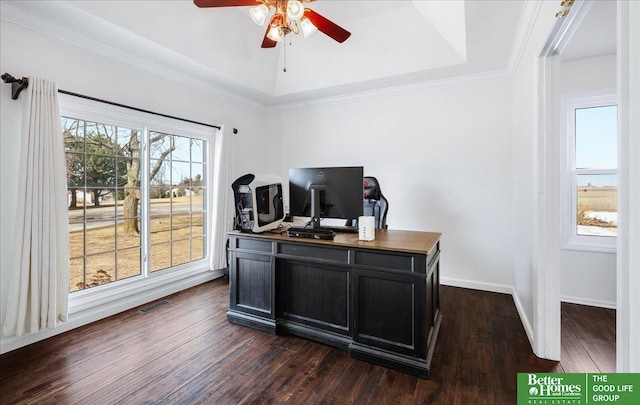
(393, 43)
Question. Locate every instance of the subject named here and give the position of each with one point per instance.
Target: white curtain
(222, 200)
(39, 291)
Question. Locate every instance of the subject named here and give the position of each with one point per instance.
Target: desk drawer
(251, 244)
(388, 261)
(311, 252)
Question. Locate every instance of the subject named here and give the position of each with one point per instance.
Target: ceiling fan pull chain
(284, 56)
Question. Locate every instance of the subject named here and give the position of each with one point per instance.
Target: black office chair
(375, 204)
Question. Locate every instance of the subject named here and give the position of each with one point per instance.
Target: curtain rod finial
(17, 85)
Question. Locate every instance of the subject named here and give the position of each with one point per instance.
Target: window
(138, 195)
(590, 179)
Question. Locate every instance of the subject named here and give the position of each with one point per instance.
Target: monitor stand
(315, 231)
(315, 206)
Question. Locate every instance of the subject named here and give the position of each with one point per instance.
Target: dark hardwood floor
(185, 352)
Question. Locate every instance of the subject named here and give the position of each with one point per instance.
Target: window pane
(181, 178)
(160, 229)
(76, 240)
(128, 263)
(197, 249)
(129, 142)
(73, 132)
(160, 256)
(181, 252)
(126, 239)
(180, 226)
(197, 199)
(101, 269)
(597, 197)
(182, 149)
(128, 172)
(596, 137)
(100, 138)
(76, 274)
(100, 238)
(197, 229)
(197, 150)
(160, 175)
(158, 192)
(160, 145)
(75, 170)
(196, 174)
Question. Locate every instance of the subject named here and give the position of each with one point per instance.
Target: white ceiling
(596, 34)
(393, 43)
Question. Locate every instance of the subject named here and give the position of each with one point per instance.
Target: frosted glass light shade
(259, 14)
(274, 34)
(307, 27)
(295, 9)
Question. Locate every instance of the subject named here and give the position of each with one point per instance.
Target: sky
(596, 137)
(597, 143)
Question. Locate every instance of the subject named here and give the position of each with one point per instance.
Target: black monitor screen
(339, 191)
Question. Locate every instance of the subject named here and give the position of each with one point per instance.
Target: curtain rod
(17, 85)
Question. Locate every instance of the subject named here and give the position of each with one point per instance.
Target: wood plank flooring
(187, 353)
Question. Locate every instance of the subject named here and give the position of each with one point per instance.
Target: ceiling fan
(289, 16)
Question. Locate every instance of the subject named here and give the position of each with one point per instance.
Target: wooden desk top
(386, 239)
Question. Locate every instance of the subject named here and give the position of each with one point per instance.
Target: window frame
(571, 240)
(90, 110)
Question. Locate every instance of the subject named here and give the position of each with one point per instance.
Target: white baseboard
(523, 318)
(477, 285)
(589, 302)
(103, 311)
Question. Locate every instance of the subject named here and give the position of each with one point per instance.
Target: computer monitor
(326, 192)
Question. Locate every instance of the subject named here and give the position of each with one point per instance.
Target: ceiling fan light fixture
(259, 14)
(295, 9)
(307, 27)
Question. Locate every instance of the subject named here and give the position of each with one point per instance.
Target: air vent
(154, 306)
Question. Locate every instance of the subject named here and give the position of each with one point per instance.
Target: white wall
(588, 277)
(442, 156)
(588, 74)
(24, 52)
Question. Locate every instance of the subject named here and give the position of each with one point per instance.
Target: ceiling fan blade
(225, 3)
(266, 41)
(326, 26)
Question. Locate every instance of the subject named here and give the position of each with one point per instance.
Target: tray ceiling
(393, 43)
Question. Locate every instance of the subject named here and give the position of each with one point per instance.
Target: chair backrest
(375, 204)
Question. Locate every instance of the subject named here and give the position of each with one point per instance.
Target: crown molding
(449, 82)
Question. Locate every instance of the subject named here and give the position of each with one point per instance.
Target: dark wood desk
(378, 300)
